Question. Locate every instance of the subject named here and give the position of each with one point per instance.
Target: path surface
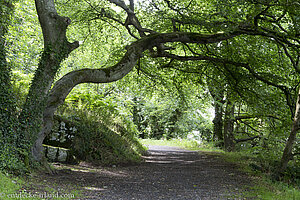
(168, 173)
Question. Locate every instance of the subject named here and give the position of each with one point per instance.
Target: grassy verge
(264, 188)
(8, 186)
(183, 143)
(14, 188)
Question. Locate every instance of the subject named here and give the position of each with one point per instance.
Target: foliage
(103, 136)
(270, 190)
(13, 157)
(24, 39)
(260, 169)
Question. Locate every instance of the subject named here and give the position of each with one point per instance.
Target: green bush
(96, 142)
(10, 159)
(103, 136)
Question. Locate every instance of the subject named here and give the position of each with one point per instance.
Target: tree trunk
(136, 116)
(229, 143)
(217, 94)
(7, 108)
(287, 153)
(56, 49)
(218, 122)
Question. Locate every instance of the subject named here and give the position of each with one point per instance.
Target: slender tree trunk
(229, 143)
(287, 153)
(218, 121)
(217, 95)
(136, 117)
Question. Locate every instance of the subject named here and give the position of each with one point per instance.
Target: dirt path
(168, 173)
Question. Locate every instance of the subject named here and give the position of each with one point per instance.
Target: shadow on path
(167, 173)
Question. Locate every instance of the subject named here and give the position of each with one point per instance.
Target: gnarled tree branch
(63, 86)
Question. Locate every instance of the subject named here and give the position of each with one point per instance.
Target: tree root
(47, 167)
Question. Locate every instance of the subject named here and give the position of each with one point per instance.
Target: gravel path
(168, 173)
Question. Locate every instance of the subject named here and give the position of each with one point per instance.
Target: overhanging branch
(246, 66)
(246, 139)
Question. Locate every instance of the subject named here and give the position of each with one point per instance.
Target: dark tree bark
(136, 117)
(217, 95)
(229, 143)
(218, 121)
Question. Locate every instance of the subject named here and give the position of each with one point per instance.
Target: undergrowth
(100, 144)
(261, 172)
(104, 136)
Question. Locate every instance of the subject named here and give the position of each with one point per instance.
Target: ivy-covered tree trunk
(217, 95)
(287, 153)
(218, 121)
(56, 48)
(173, 129)
(6, 101)
(136, 116)
(11, 153)
(229, 143)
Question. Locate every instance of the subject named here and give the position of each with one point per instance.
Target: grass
(264, 188)
(14, 188)
(11, 188)
(8, 185)
(183, 143)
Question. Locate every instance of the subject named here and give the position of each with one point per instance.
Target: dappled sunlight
(91, 170)
(171, 156)
(166, 174)
(95, 188)
(80, 170)
(159, 161)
